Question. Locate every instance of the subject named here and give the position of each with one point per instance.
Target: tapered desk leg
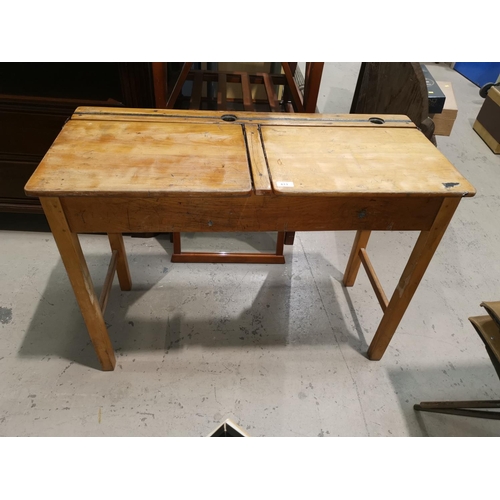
(78, 273)
(420, 258)
(354, 262)
(116, 242)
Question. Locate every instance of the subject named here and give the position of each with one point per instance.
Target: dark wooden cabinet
(36, 99)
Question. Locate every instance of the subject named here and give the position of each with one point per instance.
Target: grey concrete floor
(280, 349)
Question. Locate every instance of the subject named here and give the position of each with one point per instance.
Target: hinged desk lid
(140, 158)
(359, 161)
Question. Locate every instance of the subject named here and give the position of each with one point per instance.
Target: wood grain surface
(251, 213)
(242, 117)
(176, 155)
(359, 161)
(144, 159)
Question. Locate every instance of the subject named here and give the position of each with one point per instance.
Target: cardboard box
(444, 121)
(487, 123)
(436, 96)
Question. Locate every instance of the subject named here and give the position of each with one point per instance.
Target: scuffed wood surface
(359, 161)
(144, 159)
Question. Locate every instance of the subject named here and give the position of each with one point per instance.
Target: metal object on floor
(228, 429)
(463, 408)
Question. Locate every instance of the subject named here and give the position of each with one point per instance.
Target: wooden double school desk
(123, 170)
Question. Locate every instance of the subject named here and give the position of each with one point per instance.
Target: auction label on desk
(285, 184)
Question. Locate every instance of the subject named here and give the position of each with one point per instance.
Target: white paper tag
(285, 184)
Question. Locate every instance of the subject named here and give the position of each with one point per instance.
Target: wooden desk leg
(176, 240)
(116, 242)
(78, 273)
(420, 258)
(351, 271)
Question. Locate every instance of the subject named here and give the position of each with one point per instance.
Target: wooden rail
(108, 281)
(372, 276)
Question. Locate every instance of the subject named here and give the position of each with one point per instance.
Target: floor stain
(5, 315)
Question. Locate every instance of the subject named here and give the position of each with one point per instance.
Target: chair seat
(489, 331)
(488, 328)
(493, 309)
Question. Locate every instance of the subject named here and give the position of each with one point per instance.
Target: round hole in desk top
(376, 120)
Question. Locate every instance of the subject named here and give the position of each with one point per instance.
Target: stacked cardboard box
(444, 121)
(437, 97)
(487, 124)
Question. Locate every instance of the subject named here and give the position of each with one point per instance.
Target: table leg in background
(116, 242)
(354, 262)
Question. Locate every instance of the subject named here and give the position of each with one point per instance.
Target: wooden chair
(292, 100)
(488, 329)
(394, 88)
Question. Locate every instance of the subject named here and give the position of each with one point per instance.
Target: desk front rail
(251, 213)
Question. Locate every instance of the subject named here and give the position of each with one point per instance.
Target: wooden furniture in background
(293, 99)
(488, 329)
(37, 98)
(191, 171)
(394, 87)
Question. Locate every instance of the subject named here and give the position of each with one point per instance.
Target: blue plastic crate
(479, 73)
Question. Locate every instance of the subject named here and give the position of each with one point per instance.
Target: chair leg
(314, 72)
(462, 408)
(280, 242)
(122, 269)
(178, 85)
(289, 237)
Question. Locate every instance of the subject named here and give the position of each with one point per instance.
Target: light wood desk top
(347, 161)
(103, 152)
(144, 159)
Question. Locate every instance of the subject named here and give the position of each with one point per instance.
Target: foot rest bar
(372, 276)
(103, 300)
(233, 258)
(226, 257)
